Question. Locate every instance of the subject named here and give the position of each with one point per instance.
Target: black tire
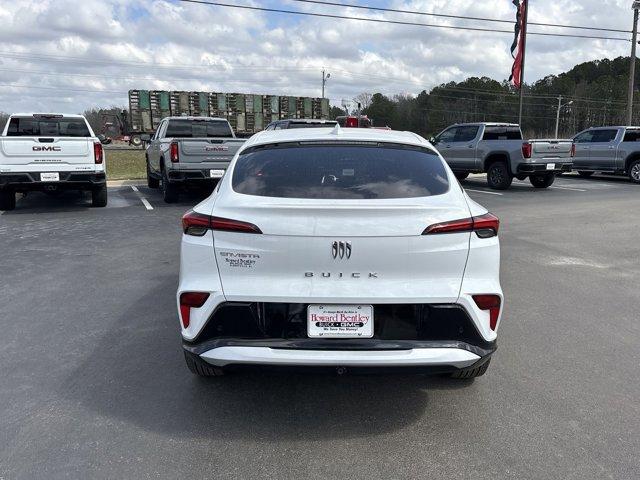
(472, 372)
(135, 140)
(152, 182)
(498, 176)
(201, 368)
(169, 190)
(99, 197)
(634, 171)
(461, 175)
(7, 200)
(542, 181)
(584, 174)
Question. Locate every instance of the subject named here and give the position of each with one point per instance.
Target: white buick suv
(337, 248)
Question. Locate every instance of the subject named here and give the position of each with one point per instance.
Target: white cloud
(110, 41)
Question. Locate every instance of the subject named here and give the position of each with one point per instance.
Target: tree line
(594, 91)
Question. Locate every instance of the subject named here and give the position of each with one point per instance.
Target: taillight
(489, 303)
(526, 150)
(174, 152)
(573, 150)
(98, 153)
(189, 300)
(197, 224)
(352, 122)
(485, 226)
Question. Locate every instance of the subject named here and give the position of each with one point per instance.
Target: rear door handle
(469, 146)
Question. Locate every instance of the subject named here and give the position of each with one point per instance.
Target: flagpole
(524, 51)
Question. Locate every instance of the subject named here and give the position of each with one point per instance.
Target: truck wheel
(472, 372)
(7, 200)
(169, 190)
(135, 140)
(461, 175)
(584, 174)
(199, 367)
(542, 181)
(498, 176)
(634, 171)
(99, 197)
(152, 182)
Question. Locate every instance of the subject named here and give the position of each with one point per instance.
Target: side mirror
(145, 137)
(433, 140)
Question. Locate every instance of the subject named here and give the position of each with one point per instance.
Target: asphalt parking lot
(94, 384)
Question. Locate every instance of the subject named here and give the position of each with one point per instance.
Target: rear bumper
(29, 181)
(415, 357)
(542, 167)
(201, 176)
(436, 337)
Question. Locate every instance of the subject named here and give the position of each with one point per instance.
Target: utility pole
(524, 51)
(324, 80)
(632, 69)
(560, 106)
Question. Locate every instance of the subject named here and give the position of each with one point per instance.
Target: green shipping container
(292, 107)
(257, 104)
(275, 104)
(308, 109)
(164, 100)
(222, 102)
(203, 101)
(240, 104)
(144, 100)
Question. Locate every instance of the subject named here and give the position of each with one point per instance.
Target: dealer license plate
(50, 177)
(216, 173)
(551, 166)
(340, 321)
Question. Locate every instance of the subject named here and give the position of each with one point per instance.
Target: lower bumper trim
(415, 357)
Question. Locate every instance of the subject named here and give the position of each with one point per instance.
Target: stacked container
(140, 111)
(247, 113)
(160, 107)
(179, 102)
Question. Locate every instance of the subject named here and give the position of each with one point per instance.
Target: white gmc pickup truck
(50, 152)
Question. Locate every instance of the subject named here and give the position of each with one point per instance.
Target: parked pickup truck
(189, 151)
(50, 152)
(608, 149)
(498, 150)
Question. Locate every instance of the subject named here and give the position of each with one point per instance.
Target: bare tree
(364, 99)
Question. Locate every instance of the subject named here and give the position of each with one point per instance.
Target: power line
(394, 22)
(442, 15)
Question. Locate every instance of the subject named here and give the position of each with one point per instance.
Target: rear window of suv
(340, 171)
(47, 127)
(198, 129)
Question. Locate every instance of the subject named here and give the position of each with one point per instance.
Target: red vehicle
(362, 121)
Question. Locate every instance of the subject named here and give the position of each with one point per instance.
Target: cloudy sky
(67, 55)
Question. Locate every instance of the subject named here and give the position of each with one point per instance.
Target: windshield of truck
(340, 171)
(44, 126)
(312, 124)
(198, 129)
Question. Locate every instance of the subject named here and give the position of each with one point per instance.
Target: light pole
(560, 107)
(632, 69)
(324, 80)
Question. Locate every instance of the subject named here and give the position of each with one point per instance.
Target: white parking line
(144, 201)
(570, 188)
(482, 191)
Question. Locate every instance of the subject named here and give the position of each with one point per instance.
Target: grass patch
(125, 164)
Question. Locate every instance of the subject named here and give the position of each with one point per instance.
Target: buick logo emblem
(341, 250)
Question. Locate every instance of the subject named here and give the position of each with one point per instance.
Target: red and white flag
(517, 47)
